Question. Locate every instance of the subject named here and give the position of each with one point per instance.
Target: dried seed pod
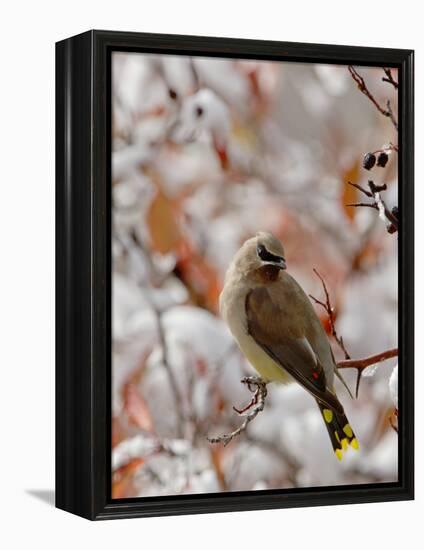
(382, 159)
(369, 161)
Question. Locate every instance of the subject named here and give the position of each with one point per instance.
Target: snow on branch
(392, 216)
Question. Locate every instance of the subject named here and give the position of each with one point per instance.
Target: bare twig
(368, 361)
(378, 204)
(388, 148)
(257, 405)
(362, 190)
(389, 78)
(126, 242)
(364, 205)
(361, 364)
(387, 112)
(390, 114)
(170, 373)
(330, 312)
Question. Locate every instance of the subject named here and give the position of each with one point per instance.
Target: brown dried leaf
(217, 455)
(118, 431)
(325, 321)
(162, 222)
(200, 278)
(123, 477)
(349, 193)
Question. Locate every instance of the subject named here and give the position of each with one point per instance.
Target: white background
(28, 33)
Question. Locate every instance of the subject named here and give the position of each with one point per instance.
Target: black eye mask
(267, 256)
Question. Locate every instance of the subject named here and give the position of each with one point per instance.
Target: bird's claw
(251, 381)
(252, 402)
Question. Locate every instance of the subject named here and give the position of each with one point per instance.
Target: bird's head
(261, 256)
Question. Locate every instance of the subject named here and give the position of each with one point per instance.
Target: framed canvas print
(234, 274)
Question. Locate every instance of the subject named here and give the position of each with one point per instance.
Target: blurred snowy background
(205, 153)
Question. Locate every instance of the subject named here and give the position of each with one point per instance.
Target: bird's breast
(233, 310)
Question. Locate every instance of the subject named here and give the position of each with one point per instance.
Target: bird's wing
(282, 338)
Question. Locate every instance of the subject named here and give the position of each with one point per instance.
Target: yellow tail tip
(348, 430)
(354, 444)
(344, 444)
(339, 453)
(328, 415)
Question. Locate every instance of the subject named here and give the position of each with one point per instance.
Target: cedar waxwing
(277, 329)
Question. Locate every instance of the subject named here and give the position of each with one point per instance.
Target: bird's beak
(281, 264)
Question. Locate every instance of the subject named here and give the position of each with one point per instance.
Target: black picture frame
(83, 274)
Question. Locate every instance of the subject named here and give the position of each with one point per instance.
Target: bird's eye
(261, 250)
(266, 256)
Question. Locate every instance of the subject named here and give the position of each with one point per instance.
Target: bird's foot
(256, 405)
(253, 381)
(259, 393)
(252, 402)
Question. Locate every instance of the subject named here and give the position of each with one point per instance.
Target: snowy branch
(170, 373)
(256, 405)
(378, 204)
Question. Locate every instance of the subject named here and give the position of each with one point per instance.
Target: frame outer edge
(74, 417)
(82, 278)
(406, 281)
(60, 425)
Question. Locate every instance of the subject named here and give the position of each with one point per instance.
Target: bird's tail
(339, 430)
